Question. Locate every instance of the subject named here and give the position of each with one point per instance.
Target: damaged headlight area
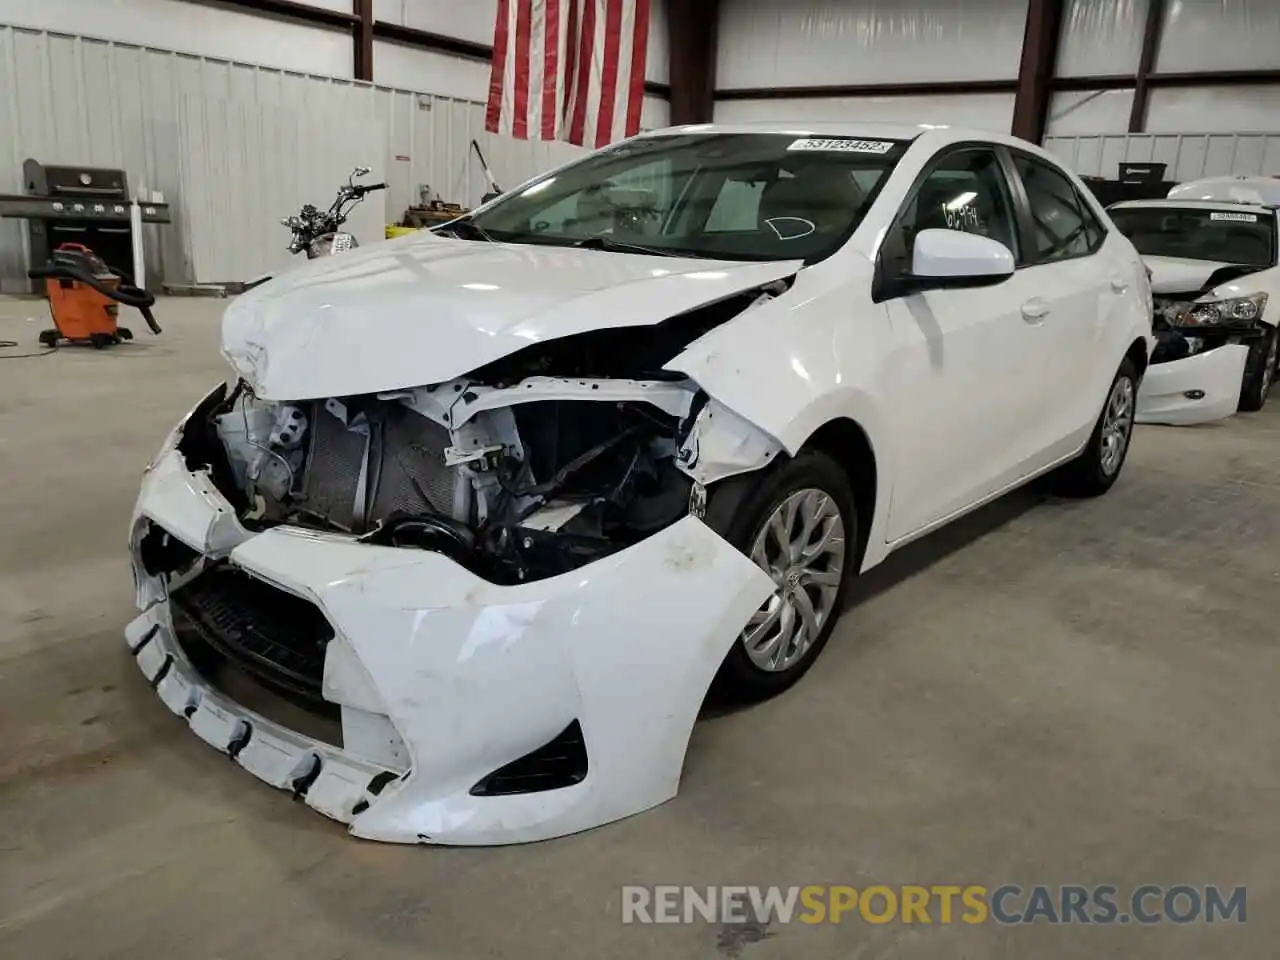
(1185, 326)
(1216, 313)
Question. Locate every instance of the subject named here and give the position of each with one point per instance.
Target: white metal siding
(412, 68)
(282, 158)
(1092, 111)
(983, 111)
(472, 20)
(193, 28)
(1101, 37)
(1214, 109)
(1189, 155)
(75, 100)
(767, 43)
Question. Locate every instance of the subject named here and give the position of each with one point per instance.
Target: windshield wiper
(602, 241)
(466, 230)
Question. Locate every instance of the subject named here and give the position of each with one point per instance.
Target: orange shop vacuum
(85, 297)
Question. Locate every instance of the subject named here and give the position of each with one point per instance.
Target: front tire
(1260, 372)
(799, 525)
(1098, 466)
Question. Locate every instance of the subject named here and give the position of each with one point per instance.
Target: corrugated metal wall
(67, 99)
(767, 43)
(1189, 155)
(310, 153)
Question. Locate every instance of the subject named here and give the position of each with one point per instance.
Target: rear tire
(1098, 466)
(1260, 370)
(798, 523)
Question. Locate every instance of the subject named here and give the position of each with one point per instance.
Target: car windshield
(1224, 236)
(723, 196)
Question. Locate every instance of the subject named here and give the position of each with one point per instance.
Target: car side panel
(967, 381)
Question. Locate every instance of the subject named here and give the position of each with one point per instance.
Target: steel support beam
(362, 34)
(691, 40)
(1146, 63)
(1036, 70)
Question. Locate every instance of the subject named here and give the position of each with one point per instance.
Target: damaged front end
(538, 463)
(1204, 346)
(389, 574)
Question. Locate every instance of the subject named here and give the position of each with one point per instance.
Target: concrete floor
(1049, 693)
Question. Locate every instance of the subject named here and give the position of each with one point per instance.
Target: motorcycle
(319, 233)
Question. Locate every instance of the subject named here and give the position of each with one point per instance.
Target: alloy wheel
(1117, 424)
(802, 547)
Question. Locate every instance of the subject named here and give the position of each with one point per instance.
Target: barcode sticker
(1235, 217)
(842, 145)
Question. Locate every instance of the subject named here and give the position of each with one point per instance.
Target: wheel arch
(847, 443)
(1137, 355)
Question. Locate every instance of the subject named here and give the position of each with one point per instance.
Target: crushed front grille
(273, 635)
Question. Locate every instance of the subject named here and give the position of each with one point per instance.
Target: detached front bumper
(457, 677)
(1196, 389)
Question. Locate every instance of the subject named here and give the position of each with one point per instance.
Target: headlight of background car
(1234, 310)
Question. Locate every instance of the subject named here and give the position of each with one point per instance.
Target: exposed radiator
(408, 473)
(412, 476)
(333, 468)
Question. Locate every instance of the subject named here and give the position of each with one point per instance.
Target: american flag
(568, 70)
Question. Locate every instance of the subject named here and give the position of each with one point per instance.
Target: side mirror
(953, 258)
(359, 171)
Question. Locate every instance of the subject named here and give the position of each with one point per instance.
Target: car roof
(939, 134)
(1218, 205)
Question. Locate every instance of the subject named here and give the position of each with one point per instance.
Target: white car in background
(1214, 258)
(498, 504)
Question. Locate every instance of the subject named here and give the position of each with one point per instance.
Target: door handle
(1118, 285)
(1035, 310)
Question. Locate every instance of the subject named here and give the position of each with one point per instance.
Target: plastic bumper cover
(1196, 389)
(472, 675)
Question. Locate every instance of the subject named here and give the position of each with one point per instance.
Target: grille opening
(260, 646)
(560, 763)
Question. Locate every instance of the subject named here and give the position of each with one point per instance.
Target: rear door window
(1063, 226)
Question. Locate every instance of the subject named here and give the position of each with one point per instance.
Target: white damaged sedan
(484, 513)
(1214, 256)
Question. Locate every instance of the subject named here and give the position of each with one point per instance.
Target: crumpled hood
(424, 309)
(1178, 275)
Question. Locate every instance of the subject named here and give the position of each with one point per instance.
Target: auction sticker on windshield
(842, 145)
(1235, 217)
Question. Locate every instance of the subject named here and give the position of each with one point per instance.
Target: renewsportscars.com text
(935, 904)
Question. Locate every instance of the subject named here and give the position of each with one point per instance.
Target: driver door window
(965, 191)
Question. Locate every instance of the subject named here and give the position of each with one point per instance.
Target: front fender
(793, 364)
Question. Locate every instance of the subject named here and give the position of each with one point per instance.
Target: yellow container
(395, 230)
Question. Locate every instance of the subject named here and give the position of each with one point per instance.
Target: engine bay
(516, 483)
